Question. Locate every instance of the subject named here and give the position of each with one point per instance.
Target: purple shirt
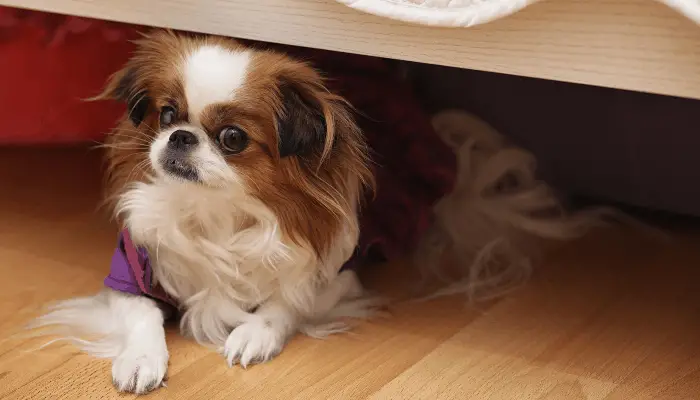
(131, 272)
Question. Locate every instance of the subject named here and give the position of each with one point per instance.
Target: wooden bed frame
(627, 44)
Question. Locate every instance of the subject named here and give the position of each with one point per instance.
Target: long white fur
(123, 327)
(219, 252)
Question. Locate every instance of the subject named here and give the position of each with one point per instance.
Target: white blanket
(465, 13)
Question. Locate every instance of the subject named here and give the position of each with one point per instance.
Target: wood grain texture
(610, 317)
(628, 44)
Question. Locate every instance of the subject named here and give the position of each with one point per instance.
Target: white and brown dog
(240, 175)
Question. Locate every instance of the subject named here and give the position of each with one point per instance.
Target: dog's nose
(182, 140)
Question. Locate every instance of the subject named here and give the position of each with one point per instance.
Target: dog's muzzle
(176, 156)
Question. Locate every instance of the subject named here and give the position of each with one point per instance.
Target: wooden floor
(614, 316)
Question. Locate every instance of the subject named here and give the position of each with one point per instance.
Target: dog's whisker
(138, 166)
(129, 137)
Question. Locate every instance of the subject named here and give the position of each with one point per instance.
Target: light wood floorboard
(614, 316)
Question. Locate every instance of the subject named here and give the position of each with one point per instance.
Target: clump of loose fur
(492, 223)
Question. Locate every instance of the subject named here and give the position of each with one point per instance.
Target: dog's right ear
(124, 86)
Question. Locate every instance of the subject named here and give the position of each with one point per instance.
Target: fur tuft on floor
(489, 230)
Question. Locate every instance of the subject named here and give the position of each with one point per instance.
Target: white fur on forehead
(212, 74)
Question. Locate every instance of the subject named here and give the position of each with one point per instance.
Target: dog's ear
(301, 124)
(124, 86)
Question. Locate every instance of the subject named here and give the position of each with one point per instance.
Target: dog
(240, 176)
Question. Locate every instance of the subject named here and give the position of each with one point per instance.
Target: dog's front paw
(253, 343)
(138, 371)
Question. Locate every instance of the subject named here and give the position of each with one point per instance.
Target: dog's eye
(233, 140)
(167, 116)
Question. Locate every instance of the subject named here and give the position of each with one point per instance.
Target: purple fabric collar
(131, 271)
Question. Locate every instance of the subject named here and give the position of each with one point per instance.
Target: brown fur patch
(313, 193)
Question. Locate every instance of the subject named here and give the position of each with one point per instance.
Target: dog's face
(213, 113)
(218, 114)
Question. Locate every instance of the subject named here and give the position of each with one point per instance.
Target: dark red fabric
(414, 168)
(50, 62)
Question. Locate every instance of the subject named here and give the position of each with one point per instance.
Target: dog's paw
(138, 371)
(253, 343)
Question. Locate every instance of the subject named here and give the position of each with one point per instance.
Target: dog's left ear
(301, 124)
(124, 86)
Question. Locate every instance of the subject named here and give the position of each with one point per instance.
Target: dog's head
(210, 112)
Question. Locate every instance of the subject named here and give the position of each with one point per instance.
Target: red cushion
(49, 64)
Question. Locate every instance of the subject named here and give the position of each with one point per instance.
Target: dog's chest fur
(205, 242)
(220, 254)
